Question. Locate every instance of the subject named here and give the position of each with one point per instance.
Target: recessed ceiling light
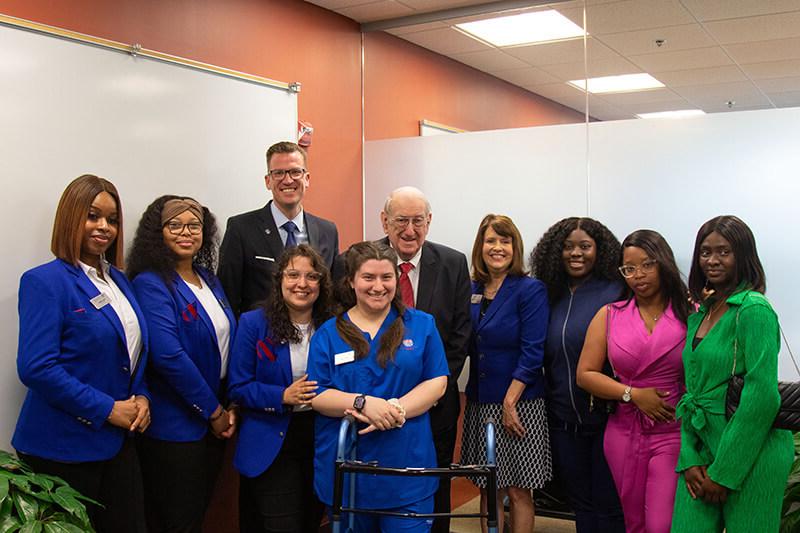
(680, 113)
(618, 84)
(527, 28)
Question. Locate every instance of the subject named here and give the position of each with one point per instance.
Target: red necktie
(406, 290)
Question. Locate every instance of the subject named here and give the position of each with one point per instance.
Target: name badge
(476, 298)
(344, 357)
(100, 301)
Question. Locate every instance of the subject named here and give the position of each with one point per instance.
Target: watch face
(626, 396)
(358, 403)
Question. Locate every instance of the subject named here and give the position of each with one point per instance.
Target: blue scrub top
(420, 357)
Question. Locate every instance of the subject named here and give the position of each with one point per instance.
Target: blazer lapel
(191, 298)
(216, 288)
(122, 282)
(428, 273)
(312, 230)
(501, 298)
(86, 285)
(269, 230)
(285, 361)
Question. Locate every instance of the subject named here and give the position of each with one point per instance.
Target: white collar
(281, 219)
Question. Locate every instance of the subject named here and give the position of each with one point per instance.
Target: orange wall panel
(405, 83)
(286, 40)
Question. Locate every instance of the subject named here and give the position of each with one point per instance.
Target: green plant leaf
(6, 507)
(63, 527)
(790, 523)
(31, 527)
(42, 481)
(3, 488)
(8, 523)
(65, 497)
(26, 505)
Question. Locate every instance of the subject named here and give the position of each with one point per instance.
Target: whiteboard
(667, 175)
(150, 127)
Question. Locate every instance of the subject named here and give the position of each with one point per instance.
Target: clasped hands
(701, 486)
(132, 414)
(378, 414)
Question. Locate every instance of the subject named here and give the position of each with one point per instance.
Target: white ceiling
(714, 51)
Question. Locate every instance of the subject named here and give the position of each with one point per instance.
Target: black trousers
(282, 499)
(179, 480)
(115, 483)
(444, 424)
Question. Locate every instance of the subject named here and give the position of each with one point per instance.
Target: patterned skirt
(521, 462)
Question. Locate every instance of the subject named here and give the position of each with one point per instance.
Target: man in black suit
(254, 240)
(440, 285)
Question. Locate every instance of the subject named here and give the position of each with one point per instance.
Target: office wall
(423, 85)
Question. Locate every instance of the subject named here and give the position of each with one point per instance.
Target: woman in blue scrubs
(191, 324)
(385, 365)
(82, 351)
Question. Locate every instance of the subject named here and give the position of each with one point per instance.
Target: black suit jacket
(251, 248)
(444, 291)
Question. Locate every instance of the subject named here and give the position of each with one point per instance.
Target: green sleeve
(693, 451)
(746, 431)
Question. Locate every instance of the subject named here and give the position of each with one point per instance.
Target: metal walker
(347, 464)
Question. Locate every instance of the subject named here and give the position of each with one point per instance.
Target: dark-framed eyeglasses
(403, 222)
(281, 173)
(176, 228)
(647, 267)
(312, 278)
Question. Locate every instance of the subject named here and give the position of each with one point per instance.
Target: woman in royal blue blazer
(275, 451)
(190, 324)
(82, 350)
(506, 382)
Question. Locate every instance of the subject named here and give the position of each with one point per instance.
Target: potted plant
(38, 503)
(790, 514)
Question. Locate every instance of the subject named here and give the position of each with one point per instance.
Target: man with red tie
(434, 279)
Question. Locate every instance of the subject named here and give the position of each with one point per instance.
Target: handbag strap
(608, 331)
(736, 344)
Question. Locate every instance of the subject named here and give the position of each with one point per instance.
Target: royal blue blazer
(184, 365)
(259, 371)
(508, 342)
(74, 360)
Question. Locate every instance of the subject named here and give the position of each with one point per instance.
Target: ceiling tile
(570, 51)
(639, 97)
(761, 51)
(744, 94)
(555, 91)
(750, 29)
(605, 67)
(682, 59)
(701, 76)
(786, 99)
(490, 60)
(526, 77)
(779, 85)
(720, 108)
(676, 104)
(628, 15)
(385, 9)
(417, 27)
(644, 41)
(773, 69)
(438, 5)
(706, 10)
(339, 4)
(446, 41)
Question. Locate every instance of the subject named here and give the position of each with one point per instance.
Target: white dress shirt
(280, 219)
(299, 356)
(413, 274)
(222, 326)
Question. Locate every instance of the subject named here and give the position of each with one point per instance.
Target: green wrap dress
(744, 453)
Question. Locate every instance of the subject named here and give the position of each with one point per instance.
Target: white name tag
(263, 258)
(344, 357)
(476, 298)
(101, 300)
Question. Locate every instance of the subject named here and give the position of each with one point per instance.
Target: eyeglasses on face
(294, 276)
(176, 228)
(402, 222)
(294, 173)
(647, 267)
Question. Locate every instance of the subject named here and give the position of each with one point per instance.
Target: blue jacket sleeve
(41, 322)
(167, 356)
(534, 312)
(244, 386)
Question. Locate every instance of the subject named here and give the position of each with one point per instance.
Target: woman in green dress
(733, 472)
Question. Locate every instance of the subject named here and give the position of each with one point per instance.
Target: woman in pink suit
(642, 338)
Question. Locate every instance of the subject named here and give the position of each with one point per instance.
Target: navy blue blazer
(184, 366)
(508, 342)
(74, 360)
(259, 371)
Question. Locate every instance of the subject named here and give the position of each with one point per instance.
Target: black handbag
(788, 416)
